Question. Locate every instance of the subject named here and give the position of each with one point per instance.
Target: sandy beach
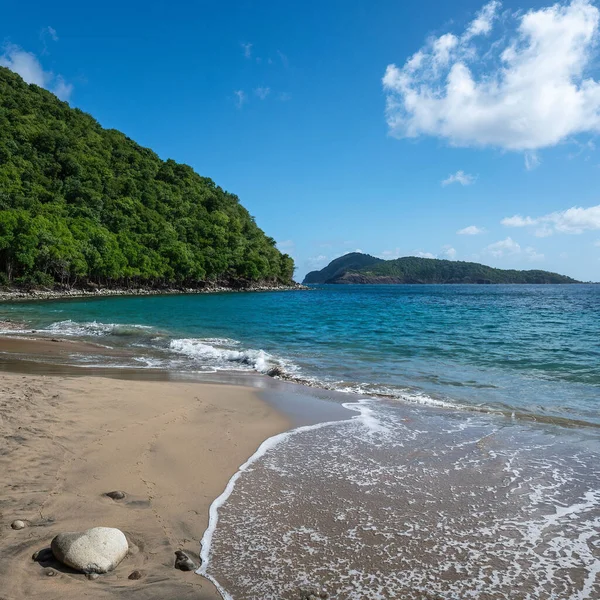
(170, 446)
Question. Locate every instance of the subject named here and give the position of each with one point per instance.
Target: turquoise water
(528, 349)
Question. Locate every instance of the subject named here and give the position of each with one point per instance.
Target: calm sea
(469, 466)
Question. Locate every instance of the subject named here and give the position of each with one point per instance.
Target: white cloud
(247, 49)
(523, 89)
(449, 252)
(27, 65)
(573, 220)
(459, 177)
(284, 97)
(482, 24)
(471, 230)
(597, 243)
(240, 98)
(262, 92)
(425, 255)
(508, 247)
(503, 248)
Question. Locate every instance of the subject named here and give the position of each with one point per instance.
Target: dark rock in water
(183, 562)
(18, 524)
(276, 372)
(135, 575)
(116, 495)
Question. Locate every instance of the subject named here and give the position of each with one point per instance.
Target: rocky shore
(17, 294)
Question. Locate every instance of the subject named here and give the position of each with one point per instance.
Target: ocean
(467, 463)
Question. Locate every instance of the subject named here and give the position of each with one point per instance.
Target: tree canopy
(79, 203)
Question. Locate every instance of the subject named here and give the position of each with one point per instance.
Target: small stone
(135, 575)
(49, 572)
(116, 495)
(18, 524)
(324, 594)
(183, 562)
(97, 550)
(92, 576)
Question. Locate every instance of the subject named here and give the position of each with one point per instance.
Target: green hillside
(412, 269)
(81, 204)
(348, 262)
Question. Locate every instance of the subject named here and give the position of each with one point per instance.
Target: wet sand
(66, 441)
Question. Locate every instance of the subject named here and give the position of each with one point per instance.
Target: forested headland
(363, 268)
(83, 205)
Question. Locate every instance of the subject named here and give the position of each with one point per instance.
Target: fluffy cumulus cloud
(27, 65)
(508, 247)
(574, 220)
(471, 230)
(516, 81)
(459, 177)
(503, 248)
(449, 252)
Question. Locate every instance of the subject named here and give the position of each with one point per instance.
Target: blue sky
(383, 126)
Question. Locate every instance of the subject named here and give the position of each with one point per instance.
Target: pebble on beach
(183, 562)
(97, 550)
(116, 495)
(135, 575)
(18, 524)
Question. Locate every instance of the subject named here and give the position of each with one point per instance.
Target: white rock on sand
(97, 550)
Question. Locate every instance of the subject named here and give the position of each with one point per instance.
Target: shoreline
(171, 446)
(18, 295)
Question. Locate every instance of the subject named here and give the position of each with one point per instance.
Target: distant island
(363, 268)
(83, 206)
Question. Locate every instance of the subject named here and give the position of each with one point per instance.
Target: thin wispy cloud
(51, 32)
(283, 58)
(471, 230)
(459, 177)
(532, 160)
(247, 50)
(28, 66)
(240, 98)
(517, 81)
(262, 92)
(574, 220)
(284, 97)
(421, 254)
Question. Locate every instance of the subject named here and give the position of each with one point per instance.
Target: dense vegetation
(83, 204)
(348, 262)
(412, 269)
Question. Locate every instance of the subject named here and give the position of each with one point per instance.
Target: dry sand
(172, 447)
